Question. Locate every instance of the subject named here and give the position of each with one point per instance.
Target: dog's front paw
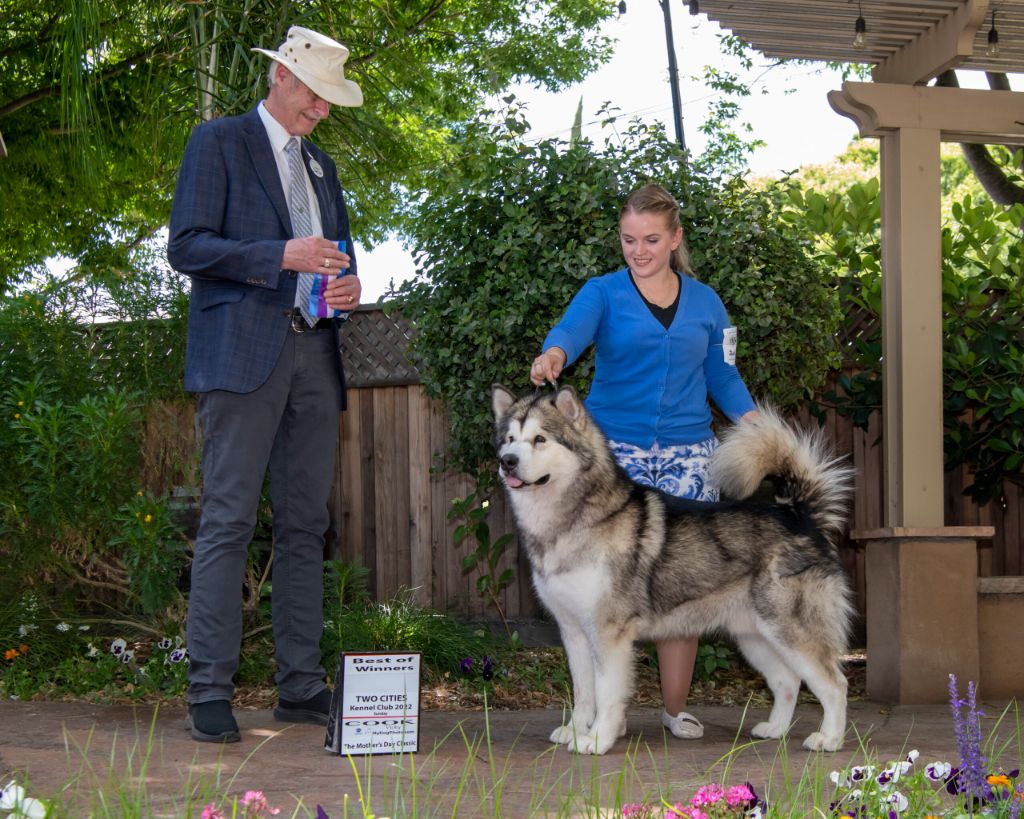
(563, 734)
(767, 730)
(822, 742)
(589, 745)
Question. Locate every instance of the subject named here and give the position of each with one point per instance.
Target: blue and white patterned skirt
(677, 470)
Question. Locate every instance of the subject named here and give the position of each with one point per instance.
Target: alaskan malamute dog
(615, 562)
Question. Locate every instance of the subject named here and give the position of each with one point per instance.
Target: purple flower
(487, 668)
(321, 813)
(466, 666)
(972, 773)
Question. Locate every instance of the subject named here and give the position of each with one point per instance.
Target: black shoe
(212, 722)
(314, 710)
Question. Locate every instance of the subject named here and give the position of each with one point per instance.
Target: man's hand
(343, 292)
(313, 254)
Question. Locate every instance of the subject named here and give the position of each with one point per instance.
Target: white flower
(92, 652)
(62, 627)
(165, 643)
(13, 799)
(118, 646)
(938, 771)
(127, 656)
(23, 631)
(898, 801)
(83, 628)
(11, 795)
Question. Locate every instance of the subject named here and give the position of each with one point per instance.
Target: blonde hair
(655, 199)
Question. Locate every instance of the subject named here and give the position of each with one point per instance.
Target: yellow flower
(21, 403)
(139, 493)
(17, 415)
(148, 518)
(1001, 780)
(23, 648)
(10, 654)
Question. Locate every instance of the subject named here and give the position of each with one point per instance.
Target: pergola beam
(944, 46)
(957, 114)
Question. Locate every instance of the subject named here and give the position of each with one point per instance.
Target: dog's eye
(511, 439)
(540, 439)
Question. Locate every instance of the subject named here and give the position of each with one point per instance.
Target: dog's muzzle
(509, 464)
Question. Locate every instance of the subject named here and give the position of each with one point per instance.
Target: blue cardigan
(651, 385)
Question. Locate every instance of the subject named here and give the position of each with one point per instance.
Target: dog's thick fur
(615, 562)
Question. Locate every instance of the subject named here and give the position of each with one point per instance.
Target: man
(248, 231)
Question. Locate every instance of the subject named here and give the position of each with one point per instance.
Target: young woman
(663, 346)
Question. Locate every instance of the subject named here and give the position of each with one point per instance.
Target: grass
(477, 773)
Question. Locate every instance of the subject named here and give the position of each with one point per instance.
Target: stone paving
(473, 764)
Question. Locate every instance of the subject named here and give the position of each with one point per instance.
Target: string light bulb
(622, 7)
(993, 39)
(694, 7)
(860, 30)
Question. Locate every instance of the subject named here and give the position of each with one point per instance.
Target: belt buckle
(298, 323)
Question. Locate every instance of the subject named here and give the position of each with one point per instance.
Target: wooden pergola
(922, 604)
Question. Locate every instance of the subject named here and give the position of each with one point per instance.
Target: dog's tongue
(513, 482)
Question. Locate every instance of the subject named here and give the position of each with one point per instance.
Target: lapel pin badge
(314, 166)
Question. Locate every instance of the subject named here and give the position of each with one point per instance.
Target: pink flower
(738, 795)
(681, 811)
(210, 812)
(707, 795)
(255, 802)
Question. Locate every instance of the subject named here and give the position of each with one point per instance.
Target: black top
(662, 314)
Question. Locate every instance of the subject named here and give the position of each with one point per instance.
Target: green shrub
(516, 229)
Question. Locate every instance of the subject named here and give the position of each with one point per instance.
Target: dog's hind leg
(581, 668)
(613, 688)
(783, 681)
(827, 682)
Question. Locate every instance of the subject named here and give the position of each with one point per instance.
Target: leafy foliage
(365, 626)
(514, 230)
(983, 333)
(486, 556)
(97, 98)
(72, 443)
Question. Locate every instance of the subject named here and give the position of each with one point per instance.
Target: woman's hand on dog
(547, 366)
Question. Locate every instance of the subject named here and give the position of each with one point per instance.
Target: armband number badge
(729, 345)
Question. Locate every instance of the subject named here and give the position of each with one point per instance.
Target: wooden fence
(391, 507)
(390, 503)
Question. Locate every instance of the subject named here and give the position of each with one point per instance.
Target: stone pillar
(922, 612)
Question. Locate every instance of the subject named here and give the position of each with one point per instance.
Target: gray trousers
(290, 424)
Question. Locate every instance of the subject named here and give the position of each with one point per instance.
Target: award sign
(375, 708)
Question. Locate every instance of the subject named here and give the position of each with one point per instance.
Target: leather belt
(299, 325)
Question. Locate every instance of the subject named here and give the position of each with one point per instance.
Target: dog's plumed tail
(799, 463)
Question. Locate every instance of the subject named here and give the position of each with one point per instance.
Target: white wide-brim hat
(319, 62)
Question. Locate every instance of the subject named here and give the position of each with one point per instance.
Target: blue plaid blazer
(229, 224)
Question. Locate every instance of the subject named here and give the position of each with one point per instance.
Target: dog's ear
(569, 404)
(501, 400)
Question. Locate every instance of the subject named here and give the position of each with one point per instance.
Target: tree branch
(420, 24)
(54, 90)
(992, 177)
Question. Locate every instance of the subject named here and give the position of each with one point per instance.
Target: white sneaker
(682, 725)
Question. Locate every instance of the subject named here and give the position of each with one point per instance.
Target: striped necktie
(302, 225)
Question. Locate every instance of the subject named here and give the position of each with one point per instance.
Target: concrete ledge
(1000, 609)
(1001, 585)
(925, 533)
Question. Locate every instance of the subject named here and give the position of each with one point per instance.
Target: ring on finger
(327, 262)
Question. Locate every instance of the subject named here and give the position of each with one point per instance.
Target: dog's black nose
(509, 462)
